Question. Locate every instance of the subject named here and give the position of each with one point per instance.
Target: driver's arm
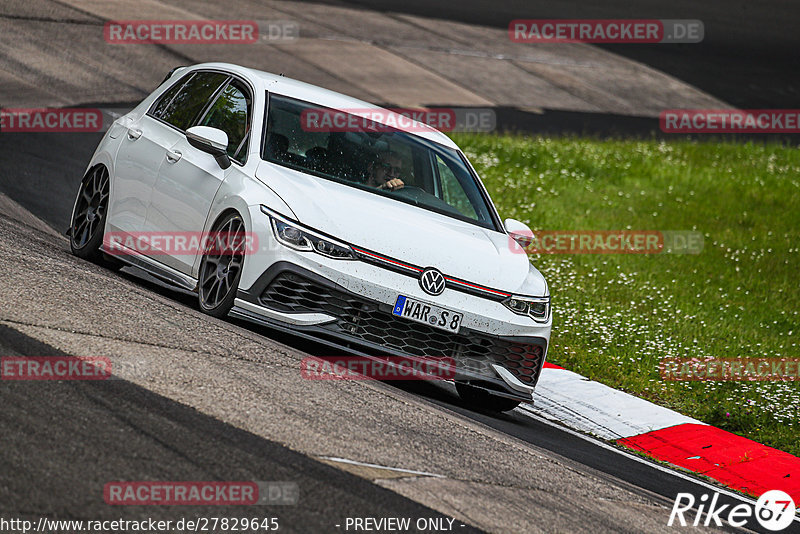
(393, 185)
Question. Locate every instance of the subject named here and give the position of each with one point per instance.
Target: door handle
(174, 155)
(134, 133)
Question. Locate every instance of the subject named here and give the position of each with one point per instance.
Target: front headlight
(301, 238)
(537, 308)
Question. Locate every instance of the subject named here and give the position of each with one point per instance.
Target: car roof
(276, 83)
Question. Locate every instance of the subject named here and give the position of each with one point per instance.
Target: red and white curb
(663, 434)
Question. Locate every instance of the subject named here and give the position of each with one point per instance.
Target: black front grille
(365, 320)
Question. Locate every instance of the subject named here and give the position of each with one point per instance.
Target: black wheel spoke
(226, 236)
(81, 224)
(207, 293)
(80, 230)
(97, 178)
(216, 295)
(85, 236)
(204, 288)
(208, 276)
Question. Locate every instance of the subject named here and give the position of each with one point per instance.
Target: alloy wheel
(90, 209)
(222, 265)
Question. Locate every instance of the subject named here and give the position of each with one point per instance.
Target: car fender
(239, 192)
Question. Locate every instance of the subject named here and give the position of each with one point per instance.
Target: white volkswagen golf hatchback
(348, 224)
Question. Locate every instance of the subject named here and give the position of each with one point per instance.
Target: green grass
(617, 316)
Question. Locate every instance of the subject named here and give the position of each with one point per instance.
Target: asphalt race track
(117, 430)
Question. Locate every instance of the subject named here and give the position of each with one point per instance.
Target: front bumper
(294, 298)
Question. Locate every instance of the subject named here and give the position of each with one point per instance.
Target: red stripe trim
(478, 287)
(383, 258)
(417, 269)
(735, 461)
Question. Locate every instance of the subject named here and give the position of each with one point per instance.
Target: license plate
(422, 312)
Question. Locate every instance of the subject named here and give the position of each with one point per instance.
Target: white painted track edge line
(396, 469)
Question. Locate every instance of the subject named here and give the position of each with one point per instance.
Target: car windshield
(355, 151)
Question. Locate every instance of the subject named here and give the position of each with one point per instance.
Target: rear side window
(181, 105)
(231, 114)
(166, 99)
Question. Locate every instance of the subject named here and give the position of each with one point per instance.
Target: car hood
(403, 231)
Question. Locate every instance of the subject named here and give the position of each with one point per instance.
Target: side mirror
(212, 141)
(519, 231)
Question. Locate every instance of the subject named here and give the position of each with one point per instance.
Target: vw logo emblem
(432, 282)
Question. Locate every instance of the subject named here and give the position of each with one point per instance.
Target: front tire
(89, 216)
(479, 398)
(221, 266)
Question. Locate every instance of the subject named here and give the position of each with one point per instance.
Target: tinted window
(231, 114)
(365, 155)
(166, 99)
(190, 100)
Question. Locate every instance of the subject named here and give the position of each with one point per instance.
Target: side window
(189, 101)
(231, 114)
(169, 95)
(452, 191)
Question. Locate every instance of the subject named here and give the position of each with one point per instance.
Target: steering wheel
(420, 197)
(411, 192)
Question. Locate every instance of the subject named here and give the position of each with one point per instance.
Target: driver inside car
(384, 172)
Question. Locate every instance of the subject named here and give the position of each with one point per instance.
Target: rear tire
(478, 398)
(221, 266)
